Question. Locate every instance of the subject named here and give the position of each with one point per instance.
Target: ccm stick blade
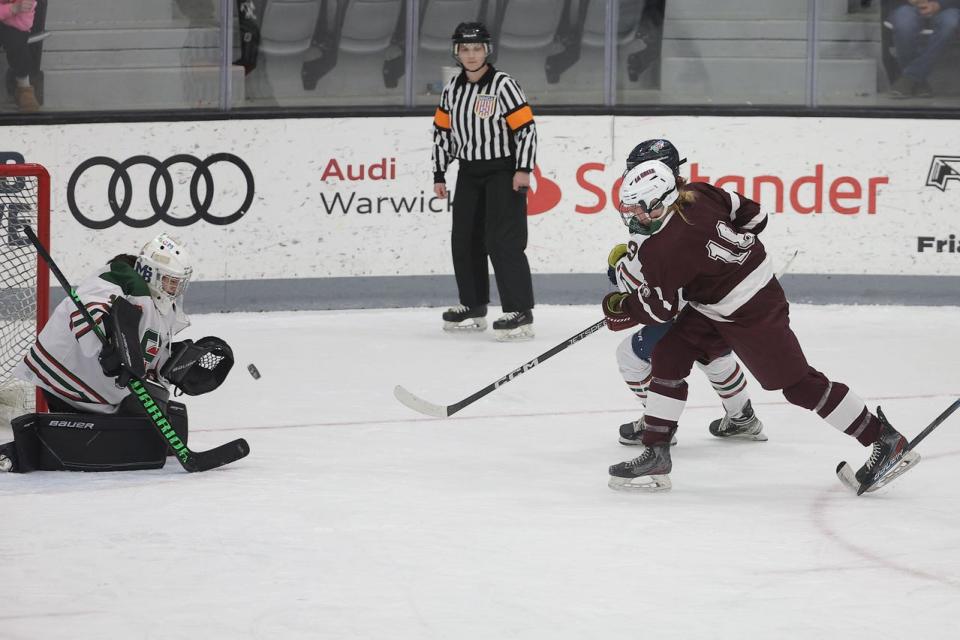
(419, 404)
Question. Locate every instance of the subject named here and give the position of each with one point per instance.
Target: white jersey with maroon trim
(64, 358)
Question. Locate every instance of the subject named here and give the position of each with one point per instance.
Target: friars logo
(943, 169)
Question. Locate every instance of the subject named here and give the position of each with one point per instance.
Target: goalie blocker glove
(121, 356)
(198, 367)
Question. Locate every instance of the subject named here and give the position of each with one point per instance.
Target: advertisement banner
(318, 198)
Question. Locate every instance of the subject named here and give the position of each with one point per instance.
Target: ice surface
(354, 517)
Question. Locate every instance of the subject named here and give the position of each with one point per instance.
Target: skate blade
(633, 443)
(748, 437)
(646, 484)
(470, 324)
(907, 462)
(848, 476)
(520, 334)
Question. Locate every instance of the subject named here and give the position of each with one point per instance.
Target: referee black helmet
(470, 32)
(657, 149)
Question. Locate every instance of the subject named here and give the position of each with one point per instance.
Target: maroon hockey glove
(618, 318)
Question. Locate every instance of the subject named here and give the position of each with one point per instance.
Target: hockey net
(24, 280)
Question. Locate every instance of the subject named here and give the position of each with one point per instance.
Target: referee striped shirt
(483, 120)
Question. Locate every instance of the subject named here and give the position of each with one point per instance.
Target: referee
(484, 121)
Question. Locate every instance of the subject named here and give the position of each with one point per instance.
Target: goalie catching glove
(198, 367)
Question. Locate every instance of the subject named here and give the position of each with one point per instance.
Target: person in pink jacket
(16, 20)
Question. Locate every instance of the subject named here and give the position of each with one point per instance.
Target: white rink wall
(348, 198)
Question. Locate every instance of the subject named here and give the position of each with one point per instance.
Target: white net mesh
(18, 288)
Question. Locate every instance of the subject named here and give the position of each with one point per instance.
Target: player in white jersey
(137, 303)
(635, 352)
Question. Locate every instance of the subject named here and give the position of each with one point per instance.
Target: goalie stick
(190, 460)
(848, 476)
(440, 411)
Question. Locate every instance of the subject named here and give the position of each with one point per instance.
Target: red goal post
(24, 279)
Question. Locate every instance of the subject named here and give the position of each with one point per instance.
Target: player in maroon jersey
(703, 248)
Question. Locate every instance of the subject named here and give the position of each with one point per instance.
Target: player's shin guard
(636, 371)
(728, 381)
(837, 404)
(665, 402)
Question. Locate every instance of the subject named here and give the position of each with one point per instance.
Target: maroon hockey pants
(759, 333)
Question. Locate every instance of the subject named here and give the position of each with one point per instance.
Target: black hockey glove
(110, 362)
(120, 357)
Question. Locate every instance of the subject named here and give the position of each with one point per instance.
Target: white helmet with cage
(647, 187)
(165, 265)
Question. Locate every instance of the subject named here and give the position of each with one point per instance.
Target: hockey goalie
(94, 423)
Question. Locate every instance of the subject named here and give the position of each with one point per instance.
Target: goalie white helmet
(165, 265)
(647, 191)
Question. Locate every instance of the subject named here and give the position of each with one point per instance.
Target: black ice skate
(515, 325)
(888, 459)
(464, 318)
(631, 433)
(746, 426)
(646, 472)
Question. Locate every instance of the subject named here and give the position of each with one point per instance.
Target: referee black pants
(490, 219)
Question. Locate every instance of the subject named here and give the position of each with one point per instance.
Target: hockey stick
(848, 476)
(786, 265)
(439, 411)
(190, 460)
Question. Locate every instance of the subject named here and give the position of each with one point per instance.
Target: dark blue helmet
(657, 149)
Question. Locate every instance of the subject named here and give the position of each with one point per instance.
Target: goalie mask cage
(24, 279)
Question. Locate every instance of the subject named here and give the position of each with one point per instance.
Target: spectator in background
(909, 18)
(16, 20)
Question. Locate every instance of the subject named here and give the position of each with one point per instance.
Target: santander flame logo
(543, 195)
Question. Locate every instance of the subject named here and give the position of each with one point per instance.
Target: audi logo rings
(161, 208)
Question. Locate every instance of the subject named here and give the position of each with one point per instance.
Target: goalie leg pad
(86, 442)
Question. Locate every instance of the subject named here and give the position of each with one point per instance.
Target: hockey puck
(253, 371)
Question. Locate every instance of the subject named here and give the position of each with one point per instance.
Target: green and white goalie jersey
(64, 359)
